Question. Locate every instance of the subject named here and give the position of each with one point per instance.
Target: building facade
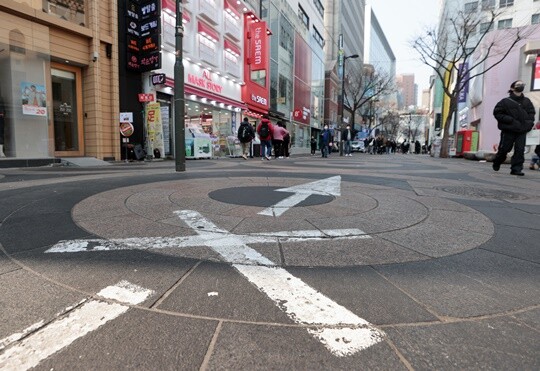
(344, 35)
(225, 50)
(476, 102)
(59, 79)
(407, 90)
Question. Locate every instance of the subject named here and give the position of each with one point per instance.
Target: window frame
(319, 6)
(505, 3)
(503, 22)
(470, 7)
(318, 37)
(303, 16)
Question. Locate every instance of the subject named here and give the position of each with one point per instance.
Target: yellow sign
(154, 127)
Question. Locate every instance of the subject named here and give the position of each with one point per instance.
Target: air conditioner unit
(530, 58)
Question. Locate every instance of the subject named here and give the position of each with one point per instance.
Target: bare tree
(365, 87)
(466, 39)
(390, 124)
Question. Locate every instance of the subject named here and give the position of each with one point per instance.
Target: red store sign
(256, 91)
(204, 82)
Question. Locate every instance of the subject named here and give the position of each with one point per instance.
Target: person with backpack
(245, 135)
(265, 130)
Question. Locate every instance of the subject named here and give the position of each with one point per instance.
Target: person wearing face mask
(515, 117)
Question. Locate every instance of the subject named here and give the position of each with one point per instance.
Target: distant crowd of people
(275, 141)
(273, 138)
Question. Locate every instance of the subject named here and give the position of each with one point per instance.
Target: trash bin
(256, 149)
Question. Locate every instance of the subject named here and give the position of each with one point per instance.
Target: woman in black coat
(515, 117)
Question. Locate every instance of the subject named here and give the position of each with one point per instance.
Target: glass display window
(206, 119)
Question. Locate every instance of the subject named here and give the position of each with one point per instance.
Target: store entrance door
(166, 120)
(67, 110)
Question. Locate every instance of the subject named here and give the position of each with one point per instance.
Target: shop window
(70, 10)
(535, 84)
(259, 77)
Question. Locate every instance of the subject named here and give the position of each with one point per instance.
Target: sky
(403, 21)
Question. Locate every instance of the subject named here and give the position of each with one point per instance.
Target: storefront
(57, 85)
(213, 79)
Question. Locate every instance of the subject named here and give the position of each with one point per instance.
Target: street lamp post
(342, 108)
(179, 109)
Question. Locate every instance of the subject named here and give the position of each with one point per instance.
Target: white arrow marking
(145, 243)
(341, 331)
(325, 187)
(63, 331)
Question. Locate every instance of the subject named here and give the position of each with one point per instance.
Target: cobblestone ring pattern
(394, 221)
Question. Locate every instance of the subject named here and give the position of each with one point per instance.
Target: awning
(207, 31)
(189, 90)
(168, 4)
(229, 46)
(231, 9)
(186, 17)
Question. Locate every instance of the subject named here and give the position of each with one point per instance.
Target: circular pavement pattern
(365, 225)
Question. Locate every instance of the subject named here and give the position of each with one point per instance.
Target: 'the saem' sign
(258, 46)
(204, 82)
(258, 99)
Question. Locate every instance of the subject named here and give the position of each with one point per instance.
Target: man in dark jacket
(245, 135)
(265, 130)
(515, 117)
(347, 136)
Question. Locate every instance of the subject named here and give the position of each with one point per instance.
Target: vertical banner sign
(143, 35)
(463, 71)
(256, 91)
(154, 128)
(259, 46)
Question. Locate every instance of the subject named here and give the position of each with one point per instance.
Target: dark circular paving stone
(261, 196)
(482, 192)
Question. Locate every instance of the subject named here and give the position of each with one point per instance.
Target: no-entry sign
(126, 129)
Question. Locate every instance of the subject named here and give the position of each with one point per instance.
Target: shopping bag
(533, 138)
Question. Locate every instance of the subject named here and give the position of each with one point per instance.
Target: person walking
(245, 135)
(265, 130)
(313, 143)
(278, 135)
(325, 139)
(286, 142)
(347, 135)
(515, 117)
